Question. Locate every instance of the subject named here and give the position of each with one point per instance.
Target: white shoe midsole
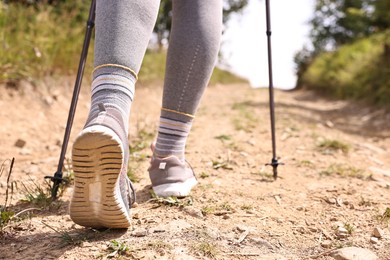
(175, 189)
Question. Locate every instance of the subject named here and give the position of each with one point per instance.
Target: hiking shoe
(171, 177)
(103, 194)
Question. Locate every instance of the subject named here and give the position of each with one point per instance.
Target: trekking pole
(274, 162)
(57, 178)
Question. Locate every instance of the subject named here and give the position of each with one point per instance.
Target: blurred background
(339, 48)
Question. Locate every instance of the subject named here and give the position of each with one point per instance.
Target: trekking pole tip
(57, 180)
(274, 163)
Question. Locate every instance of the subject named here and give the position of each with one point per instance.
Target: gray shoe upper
(169, 170)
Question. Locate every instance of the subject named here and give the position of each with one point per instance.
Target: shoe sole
(177, 189)
(97, 158)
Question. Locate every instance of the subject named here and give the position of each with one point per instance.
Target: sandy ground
(332, 191)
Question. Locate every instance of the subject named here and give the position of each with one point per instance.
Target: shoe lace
(132, 194)
(192, 169)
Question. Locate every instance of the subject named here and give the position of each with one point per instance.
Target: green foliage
(45, 38)
(233, 6)
(5, 217)
(40, 40)
(349, 227)
(206, 210)
(164, 18)
(117, 248)
(333, 145)
(206, 248)
(345, 171)
(381, 14)
(153, 67)
(223, 137)
(164, 21)
(220, 76)
(37, 195)
(357, 71)
(204, 175)
(338, 22)
(386, 214)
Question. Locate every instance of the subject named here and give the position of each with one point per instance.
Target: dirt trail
(326, 197)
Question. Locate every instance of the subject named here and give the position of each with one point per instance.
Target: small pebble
(378, 232)
(139, 233)
(194, 212)
(353, 253)
(157, 230)
(20, 143)
(326, 244)
(374, 240)
(342, 232)
(241, 228)
(313, 229)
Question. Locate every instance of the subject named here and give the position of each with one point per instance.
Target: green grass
(153, 67)
(226, 206)
(204, 175)
(329, 145)
(222, 164)
(206, 210)
(360, 70)
(132, 174)
(344, 171)
(160, 245)
(386, 215)
(223, 137)
(37, 195)
(6, 215)
(139, 149)
(220, 76)
(117, 248)
(306, 164)
(171, 200)
(5, 218)
(40, 40)
(74, 239)
(245, 120)
(141, 141)
(206, 249)
(246, 207)
(349, 227)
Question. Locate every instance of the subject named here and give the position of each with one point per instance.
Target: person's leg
(193, 49)
(102, 193)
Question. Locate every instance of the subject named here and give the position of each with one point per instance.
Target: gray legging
(123, 30)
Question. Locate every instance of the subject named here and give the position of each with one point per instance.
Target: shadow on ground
(351, 117)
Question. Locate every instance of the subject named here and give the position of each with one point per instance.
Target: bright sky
(245, 41)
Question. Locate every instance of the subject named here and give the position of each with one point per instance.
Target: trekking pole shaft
(271, 86)
(274, 162)
(76, 91)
